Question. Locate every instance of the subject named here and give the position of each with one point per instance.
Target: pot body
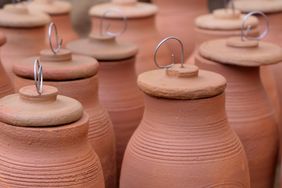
(176, 18)
(142, 32)
(21, 43)
(184, 143)
(101, 133)
(119, 94)
(251, 116)
(48, 157)
(64, 26)
(6, 87)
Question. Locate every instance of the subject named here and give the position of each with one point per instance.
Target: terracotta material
(75, 76)
(25, 32)
(176, 18)
(249, 111)
(6, 86)
(141, 29)
(185, 136)
(118, 91)
(59, 12)
(35, 147)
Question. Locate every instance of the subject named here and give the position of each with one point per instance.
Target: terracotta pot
(249, 111)
(118, 91)
(6, 86)
(25, 32)
(77, 78)
(59, 12)
(46, 147)
(141, 29)
(184, 134)
(174, 14)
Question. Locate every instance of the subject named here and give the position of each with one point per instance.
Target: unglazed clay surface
(251, 116)
(184, 143)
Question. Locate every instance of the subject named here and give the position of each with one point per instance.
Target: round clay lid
(224, 19)
(266, 6)
(29, 109)
(51, 7)
(104, 48)
(18, 16)
(129, 8)
(3, 39)
(243, 53)
(177, 82)
(62, 66)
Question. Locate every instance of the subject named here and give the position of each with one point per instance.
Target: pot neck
(195, 115)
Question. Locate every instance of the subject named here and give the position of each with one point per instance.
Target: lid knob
(124, 2)
(227, 14)
(183, 71)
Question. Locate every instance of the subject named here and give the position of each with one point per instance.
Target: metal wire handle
(38, 76)
(172, 55)
(105, 29)
(245, 30)
(59, 42)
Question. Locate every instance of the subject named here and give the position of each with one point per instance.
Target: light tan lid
(244, 53)
(224, 19)
(266, 6)
(178, 82)
(18, 16)
(3, 39)
(104, 48)
(129, 8)
(29, 109)
(51, 7)
(58, 67)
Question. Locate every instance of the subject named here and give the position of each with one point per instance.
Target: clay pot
(25, 32)
(6, 87)
(75, 76)
(59, 12)
(43, 142)
(118, 91)
(249, 112)
(184, 135)
(176, 18)
(141, 28)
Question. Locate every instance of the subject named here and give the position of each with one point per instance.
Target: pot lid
(129, 8)
(51, 7)
(224, 19)
(30, 109)
(3, 39)
(58, 67)
(236, 51)
(18, 16)
(104, 48)
(177, 82)
(266, 6)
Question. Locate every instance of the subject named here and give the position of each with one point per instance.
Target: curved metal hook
(172, 55)
(245, 30)
(38, 76)
(105, 29)
(229, 3)
(59, 42)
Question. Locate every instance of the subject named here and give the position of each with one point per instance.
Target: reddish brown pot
(38, 151)
(6, 87)
(119, 94)
(60, 15)
(184, 139)
(249, 112)
(141, 30)
(25, 35)
(85, 90)
(176, 18)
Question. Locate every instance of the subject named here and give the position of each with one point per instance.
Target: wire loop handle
(245, 30)
(104, 30)
(172, 55)
(38, 76)
(59, 42)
